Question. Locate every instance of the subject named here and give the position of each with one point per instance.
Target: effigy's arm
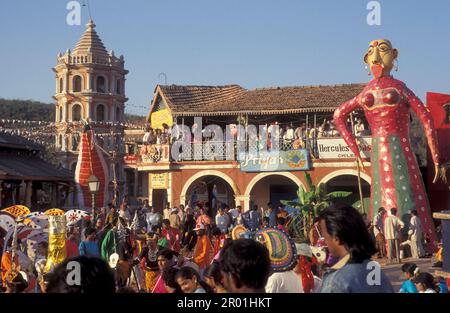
(427, 122)
(340, 120)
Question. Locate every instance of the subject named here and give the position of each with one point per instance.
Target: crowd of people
(217, 250)
(286, 135)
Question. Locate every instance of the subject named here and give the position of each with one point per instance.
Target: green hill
(39, 111)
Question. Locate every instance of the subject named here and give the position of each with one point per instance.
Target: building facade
(200, 166)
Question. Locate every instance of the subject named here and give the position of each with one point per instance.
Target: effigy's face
(380, 57)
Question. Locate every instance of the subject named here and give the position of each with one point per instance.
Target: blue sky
(253, 43)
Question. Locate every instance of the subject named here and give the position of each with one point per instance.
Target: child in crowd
(425, 283)
(410, 270)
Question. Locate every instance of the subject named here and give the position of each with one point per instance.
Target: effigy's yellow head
(380, 57)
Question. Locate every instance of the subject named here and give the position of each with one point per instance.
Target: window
(77, 83)
(76, 112)
(118, 87)
(447, 113)
(75, 141)
(101, 84)
(61, 117)
(118, 117)
(61, 85)
(100, 112)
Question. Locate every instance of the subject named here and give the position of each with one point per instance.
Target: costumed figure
(148, 261)
(117, 250)
(396, 178)
(56, 238)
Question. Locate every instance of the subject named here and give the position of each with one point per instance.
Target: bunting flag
(91, 162)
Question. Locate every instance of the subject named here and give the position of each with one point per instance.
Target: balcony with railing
(156, 154)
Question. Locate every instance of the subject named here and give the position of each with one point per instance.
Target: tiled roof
(17, 142)
(233, 99)
(33, 168)
(90, 42)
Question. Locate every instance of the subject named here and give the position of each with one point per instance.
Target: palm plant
(308, 205)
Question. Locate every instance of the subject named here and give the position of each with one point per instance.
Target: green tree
(308, 205)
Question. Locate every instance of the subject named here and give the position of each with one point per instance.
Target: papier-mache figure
(396, 178)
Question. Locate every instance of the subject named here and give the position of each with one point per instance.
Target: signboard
(161, 117)
(336, 148)
(273, 161)
(159, 180)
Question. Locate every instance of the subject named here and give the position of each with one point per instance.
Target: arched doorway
(210, 190)
(348, 181)
(271, 187)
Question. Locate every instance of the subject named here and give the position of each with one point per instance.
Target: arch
(200, 174)
(61, 117)
(61, 85)
(77, 114)
(337, 173)
(77, 83)
(100, 112)
(101, 84)
(260, 176)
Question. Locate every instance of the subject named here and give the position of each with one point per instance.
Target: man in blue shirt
(89, 247)
(272, 216)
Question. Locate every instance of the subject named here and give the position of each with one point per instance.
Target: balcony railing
(205, 151)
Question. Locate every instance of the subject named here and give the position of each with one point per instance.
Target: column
(66, 80)
(169, 190)
(243, 201)
(150, 190)
(65, 116)
(54, 200)
(28, 193)
(89, 80)
(1, 194)
(112, 84)
(136, 183)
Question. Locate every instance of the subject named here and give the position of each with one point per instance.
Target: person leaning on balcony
(288, 134)
(359, 128)
(145, 139)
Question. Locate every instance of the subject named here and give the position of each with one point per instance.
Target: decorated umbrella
(73, 216)
(37, 220)
(282, 250)
(7, 222)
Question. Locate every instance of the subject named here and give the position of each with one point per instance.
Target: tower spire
(90, 42)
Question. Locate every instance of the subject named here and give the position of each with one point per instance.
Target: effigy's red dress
(396, 178)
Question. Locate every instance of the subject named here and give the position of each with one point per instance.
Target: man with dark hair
(392, 227)
(272, 216)
(172, 235)
(245, 266)
(348, 239)
(416, 235)
(166, 260)
(89, 247)
(95, 277)
(378, 232)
